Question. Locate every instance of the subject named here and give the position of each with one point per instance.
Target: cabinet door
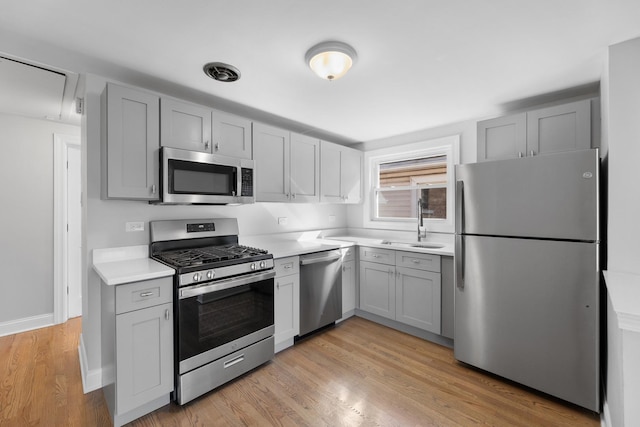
(502, 137)
(305, 168)
(351, 174)
(132, 144)
(377, 289)
(348, 287)
(271, 153)
(330, 169)
(287, 307)
(144, 356)
(231, 136)
(186, 126)
(418, 298)
(564, 127)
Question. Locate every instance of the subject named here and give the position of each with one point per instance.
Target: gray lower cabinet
(286, 301)
(130, 143)
(402, 286)
(447, 294)
(137, 347)
(349, 277)
(547, 130)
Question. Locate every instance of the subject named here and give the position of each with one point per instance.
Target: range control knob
(263, 264)
(197, 277)
(211, 274)
(253, 266)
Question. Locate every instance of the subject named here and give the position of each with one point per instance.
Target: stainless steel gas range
(223, 302)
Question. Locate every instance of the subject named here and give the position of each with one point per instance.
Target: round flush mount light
(221, 72)
(331, 60)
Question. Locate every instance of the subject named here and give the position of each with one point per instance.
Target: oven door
(218, 318)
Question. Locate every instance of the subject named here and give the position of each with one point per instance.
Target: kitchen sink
(424, 245)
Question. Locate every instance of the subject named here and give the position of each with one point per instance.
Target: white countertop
(624, 291)
(281, 248)
(116, 266)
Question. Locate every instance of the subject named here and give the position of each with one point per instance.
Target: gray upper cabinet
(231, 136)
(131, 123)
(287, 165)
(340, 174)
(271, 151)
(543, 131)
(305, 168)
(502, 137)
(561, 128)
(184, 125)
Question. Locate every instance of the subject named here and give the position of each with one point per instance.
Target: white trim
(60, 144)
(25, 324)
(605, 416)
(449, 145)
(91, 380)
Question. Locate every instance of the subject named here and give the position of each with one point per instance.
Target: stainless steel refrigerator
(527, 272)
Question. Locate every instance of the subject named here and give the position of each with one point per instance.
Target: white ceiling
(421, 63)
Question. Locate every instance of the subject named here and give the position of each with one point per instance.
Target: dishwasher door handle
(316, 260)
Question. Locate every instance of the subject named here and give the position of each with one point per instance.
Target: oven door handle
(194, 291)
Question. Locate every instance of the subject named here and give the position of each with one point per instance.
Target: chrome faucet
(422, 231)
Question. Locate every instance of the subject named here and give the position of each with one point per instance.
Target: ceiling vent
(222, 72)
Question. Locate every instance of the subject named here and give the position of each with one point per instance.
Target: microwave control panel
(247, 182)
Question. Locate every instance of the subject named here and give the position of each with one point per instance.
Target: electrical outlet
(134, 226)
(283, 220)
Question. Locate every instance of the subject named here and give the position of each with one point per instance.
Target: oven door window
(201, 178)
(211, 320)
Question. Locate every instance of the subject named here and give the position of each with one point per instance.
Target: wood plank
(357, 373)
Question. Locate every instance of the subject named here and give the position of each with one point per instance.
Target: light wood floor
(356, 374)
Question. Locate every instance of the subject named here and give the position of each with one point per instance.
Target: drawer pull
(288, 267)
(415, 261)
(230, 363)
(146, 294)
(166, 314)
(376, 256)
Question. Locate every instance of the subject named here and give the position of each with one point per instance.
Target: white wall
(26, 217)
(621, 113)
(105, 219)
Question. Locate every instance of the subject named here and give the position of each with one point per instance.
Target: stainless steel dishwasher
(320, 290)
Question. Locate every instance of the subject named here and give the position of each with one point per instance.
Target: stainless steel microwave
(192, 177)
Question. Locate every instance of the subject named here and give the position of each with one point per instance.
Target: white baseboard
(91, 380)
(26, 324)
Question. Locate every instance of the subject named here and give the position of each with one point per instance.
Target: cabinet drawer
(382, 256)
(148, 293)
(349, 254)
(418, 260)
(286, 266)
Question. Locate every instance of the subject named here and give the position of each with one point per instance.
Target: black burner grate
(207, 255)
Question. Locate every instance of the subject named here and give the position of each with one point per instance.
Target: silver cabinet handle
(344, 268)
(217, 146)
(288, 267)
(206, 144)
(145, 294)
(375, 256)
(415, 261)
(533, 153)
(293, 196)
(153, 189)
(519, 153)
(278, 285)
(166, 314)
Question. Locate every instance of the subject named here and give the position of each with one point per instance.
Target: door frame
(61, 143)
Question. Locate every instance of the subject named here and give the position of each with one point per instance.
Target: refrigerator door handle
(459, 207)
(459, 261)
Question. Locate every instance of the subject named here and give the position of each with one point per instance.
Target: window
(399, 178)
(401, 184)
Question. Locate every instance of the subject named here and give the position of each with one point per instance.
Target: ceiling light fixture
(331, 60)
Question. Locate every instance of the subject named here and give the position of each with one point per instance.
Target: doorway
(68, 228)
